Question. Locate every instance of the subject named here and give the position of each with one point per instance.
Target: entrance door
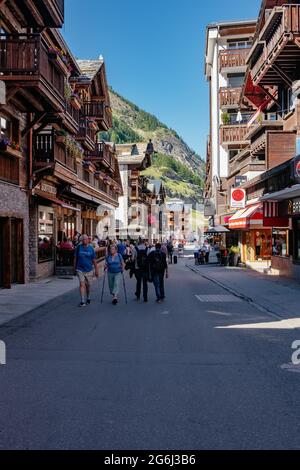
(17, 250)
(11, 252)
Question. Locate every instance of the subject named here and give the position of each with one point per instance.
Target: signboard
(240, 180)
(2, 93)
(295, 169)
(238, 198)
(294, 207)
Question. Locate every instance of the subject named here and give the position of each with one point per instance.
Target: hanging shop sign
(238, 198)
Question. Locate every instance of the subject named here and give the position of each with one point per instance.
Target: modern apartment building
(227, 47)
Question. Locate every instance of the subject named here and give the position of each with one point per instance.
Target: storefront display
(45, 234)
(280, 242)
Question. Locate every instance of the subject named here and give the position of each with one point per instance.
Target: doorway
(11, 252)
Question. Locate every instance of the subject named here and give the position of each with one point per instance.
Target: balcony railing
(99, 111)
(233, 134)
(72, 116)
(86, 135)
(102, 154)
(282, 26)
(25, 58)
(47, 151)
(230, 96)
(230, 58)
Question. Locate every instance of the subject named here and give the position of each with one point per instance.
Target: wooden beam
(38, 117)
(11, 93)
(285, 78)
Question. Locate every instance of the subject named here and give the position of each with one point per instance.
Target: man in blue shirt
(85, 261)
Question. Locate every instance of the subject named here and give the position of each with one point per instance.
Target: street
(150, 376)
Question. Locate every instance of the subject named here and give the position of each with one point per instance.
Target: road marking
(218, 298)
(291, 367)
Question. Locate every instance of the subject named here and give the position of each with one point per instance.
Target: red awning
(251, 215)
(54, 200)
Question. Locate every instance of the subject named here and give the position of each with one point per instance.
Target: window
(9, 128)
(242, 44)
(46, 234)
(280, 242)
(236, 80)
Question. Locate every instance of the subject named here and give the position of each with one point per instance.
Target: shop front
(255, 238)
(52, 220)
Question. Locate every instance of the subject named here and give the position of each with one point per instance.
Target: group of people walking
(148, 263)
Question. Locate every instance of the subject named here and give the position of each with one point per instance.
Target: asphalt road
(148, 376)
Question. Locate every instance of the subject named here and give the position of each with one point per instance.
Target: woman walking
(115, 267)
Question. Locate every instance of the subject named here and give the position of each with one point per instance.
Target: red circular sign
(238, 195)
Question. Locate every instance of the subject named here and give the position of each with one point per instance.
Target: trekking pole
(103, 287)
(124, 285)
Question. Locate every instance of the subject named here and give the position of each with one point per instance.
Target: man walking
(159, 269)
(84, 262)
(141, 263)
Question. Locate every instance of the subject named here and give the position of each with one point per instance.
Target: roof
(90, 68)
(132, 153)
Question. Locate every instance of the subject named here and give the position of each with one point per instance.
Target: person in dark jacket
(159, 270)
(141, 269)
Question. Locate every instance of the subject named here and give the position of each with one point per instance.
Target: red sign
(238, 198)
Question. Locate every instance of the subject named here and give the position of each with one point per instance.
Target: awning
(216, 230)
(252, 215)
(54, 200)
(284, 194)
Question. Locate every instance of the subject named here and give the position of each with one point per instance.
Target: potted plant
(234, 256)
(225, 119)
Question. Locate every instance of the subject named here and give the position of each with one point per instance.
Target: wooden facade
(48, 145)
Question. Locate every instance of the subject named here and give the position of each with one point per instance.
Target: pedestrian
(141, 270)
(122, 248)
(159, 270)
(114, 265)
(170, 249)
(84, 264)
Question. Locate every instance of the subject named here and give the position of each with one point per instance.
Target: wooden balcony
(41, 13)
(230, 97)
(31, 76)
(47, 151)
(274, 58)
(233, 58)
(100, 112)
(234, 134)
(103, 155)
(246, 163)
(71, 118)
(86, 136)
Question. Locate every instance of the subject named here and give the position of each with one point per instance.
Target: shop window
(280, 243)
(46, 234)
(297, 240)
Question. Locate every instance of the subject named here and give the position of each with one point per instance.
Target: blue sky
(154, 52)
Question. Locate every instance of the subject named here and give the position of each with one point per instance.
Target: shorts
(85, 277)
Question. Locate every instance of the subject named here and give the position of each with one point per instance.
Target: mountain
(181, 169)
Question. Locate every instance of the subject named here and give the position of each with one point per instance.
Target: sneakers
(115, 301)
(88, 301)
(82, 304)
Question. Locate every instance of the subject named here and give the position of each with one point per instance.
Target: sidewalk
(22, 299)
(280, 296)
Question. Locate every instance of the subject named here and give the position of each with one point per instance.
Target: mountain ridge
(176, 164)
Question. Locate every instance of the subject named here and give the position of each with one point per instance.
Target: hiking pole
(103, 286)
(124, 285)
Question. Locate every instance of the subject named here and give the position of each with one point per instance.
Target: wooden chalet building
(55, 178)
(135, 204)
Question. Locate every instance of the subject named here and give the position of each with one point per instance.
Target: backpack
(157, 262)
(142, 259)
